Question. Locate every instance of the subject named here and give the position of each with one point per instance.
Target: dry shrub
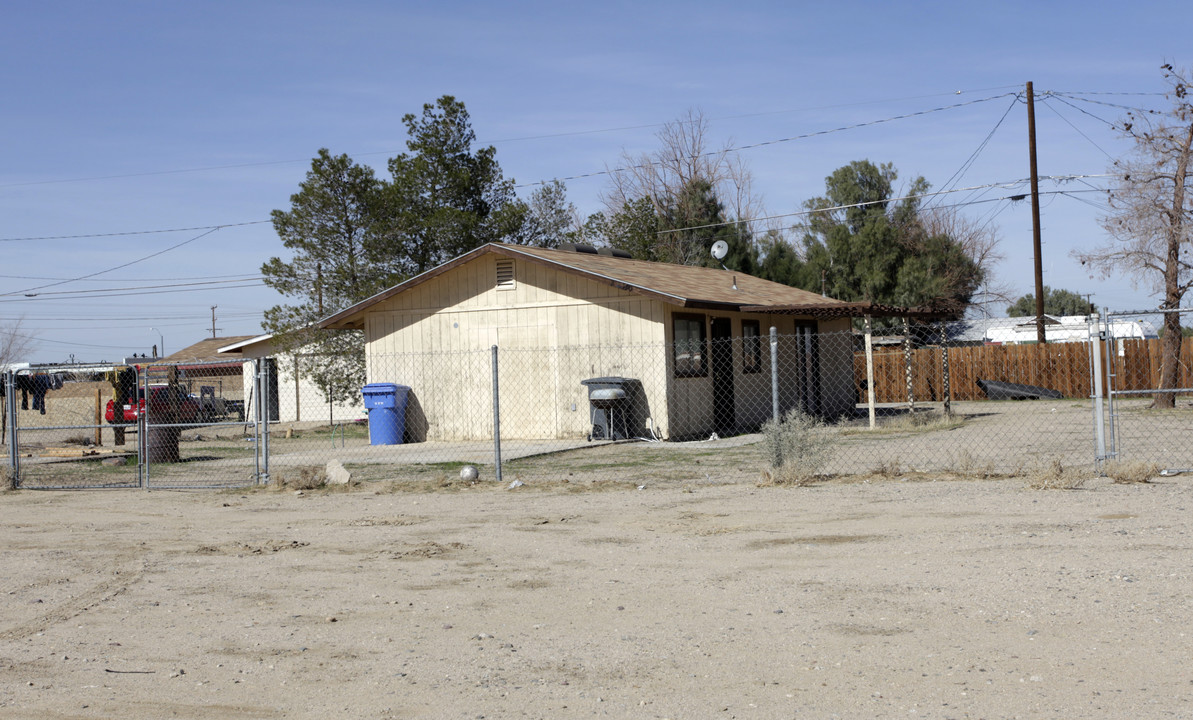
(1131, 472)
(969, 466)
(798, 448)
(889, 468)
(1055, 476)
(8, 480)
(308, 477)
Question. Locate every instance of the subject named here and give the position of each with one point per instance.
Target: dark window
(690, 356)
(751, 347)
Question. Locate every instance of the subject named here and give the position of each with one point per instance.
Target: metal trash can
(386, 405)
(609, 400)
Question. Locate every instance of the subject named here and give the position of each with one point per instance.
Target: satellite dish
(720, 249)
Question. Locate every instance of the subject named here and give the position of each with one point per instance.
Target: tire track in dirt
(128, 570)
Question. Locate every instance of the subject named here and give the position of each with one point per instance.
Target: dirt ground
(950, 599)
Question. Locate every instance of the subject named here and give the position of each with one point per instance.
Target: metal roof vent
(505, 275)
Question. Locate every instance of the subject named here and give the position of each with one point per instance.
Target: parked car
(159, 396)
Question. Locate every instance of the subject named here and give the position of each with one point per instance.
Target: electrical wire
(118, 267)
(102, 294)
(956, 177)
(135, 232)
(767, 143)
(1075, 128)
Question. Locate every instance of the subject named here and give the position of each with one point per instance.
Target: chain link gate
(1142, 420)
(61, 435)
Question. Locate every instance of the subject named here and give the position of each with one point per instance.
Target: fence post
(907, 365)
(264, 403)
(944, 370)
(1095, 334)
(870, 393)
(255, 393)
(774, 373)
(1107, 346)
(496, 419)
(10, 405)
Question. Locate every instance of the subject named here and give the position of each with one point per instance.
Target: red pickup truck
(159, 396)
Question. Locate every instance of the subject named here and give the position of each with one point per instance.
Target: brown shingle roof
(681, 285)
(206, 350)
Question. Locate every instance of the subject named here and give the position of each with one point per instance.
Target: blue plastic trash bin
(386, 405)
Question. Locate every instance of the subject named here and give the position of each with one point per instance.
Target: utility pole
(1035, 214)
(213, 327)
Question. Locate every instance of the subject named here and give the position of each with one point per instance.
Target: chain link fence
(904, 400)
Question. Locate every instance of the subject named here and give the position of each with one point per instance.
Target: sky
(146, 143)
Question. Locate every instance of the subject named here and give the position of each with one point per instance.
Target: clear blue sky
(124, 117)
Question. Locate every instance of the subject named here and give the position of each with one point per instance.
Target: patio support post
(870, 372)
(944, 370)
(774, 373)
(496, 419)
(907, 365)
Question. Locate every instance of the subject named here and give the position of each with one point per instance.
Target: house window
(690, 356)
(505, 274)
(751, 347)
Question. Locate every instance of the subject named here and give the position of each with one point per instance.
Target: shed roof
(681, 285)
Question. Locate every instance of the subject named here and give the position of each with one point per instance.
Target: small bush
(798, 448)
(308, 477)
(889, 468)
(1129, 473)
(1055, 476)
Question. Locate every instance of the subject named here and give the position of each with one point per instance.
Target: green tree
(1056, 302)
(444, 198)
(860, 244)
(633, 228)
(550, 218)
(693, 221)
(330, 230)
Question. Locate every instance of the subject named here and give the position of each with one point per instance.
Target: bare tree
(684, 160)
(980, 242)
(15, 344)
(1151, 213)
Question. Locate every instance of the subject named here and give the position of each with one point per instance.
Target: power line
(94, 291)
(266, 163)
(134, 232)
(767, 143)
(934, 193)
(118, 267)
(103, 294)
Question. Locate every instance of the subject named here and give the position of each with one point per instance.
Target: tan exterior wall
(554, 330)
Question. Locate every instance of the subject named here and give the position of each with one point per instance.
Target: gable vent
(505, 274)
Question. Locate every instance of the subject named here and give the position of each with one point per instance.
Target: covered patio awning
(853, 309)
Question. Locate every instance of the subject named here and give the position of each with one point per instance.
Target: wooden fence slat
(1064, 367)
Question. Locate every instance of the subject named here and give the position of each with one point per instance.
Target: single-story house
(204, 373)
(294, 397)
(693, 339)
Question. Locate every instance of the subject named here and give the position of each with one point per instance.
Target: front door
(721, 359)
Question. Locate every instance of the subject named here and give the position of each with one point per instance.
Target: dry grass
(1128, 472)
(966, 465)
(310, 477)
(888, 468)
(1055, 476)
(787, 475)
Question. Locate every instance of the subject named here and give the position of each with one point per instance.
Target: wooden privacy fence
(1064, 367)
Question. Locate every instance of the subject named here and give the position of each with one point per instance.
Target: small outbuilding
(692, 342)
